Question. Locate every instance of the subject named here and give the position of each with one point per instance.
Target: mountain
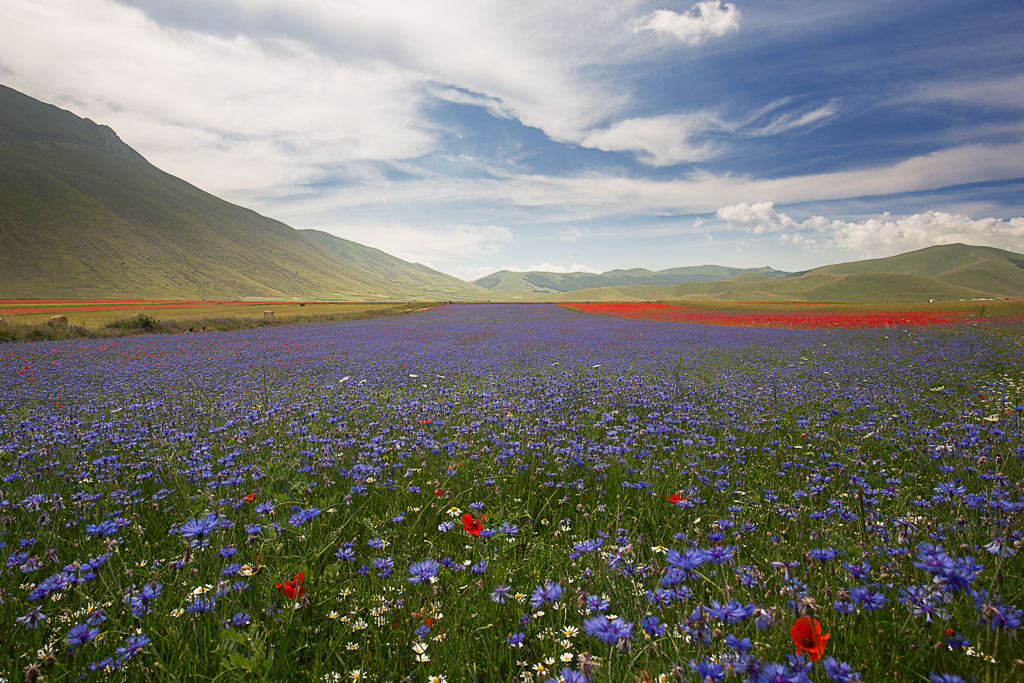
(83, 215)
(540, 281)
(978, 268)
(952, 271)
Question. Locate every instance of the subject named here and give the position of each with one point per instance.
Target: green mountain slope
(540, 281)
(83, 215)
(981, 268)
(953, 271)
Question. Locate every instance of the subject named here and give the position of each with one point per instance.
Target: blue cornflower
(731, 612)
(596, 603)
(303, 516)
(933, 559)
(945, 678)
(964, 571)
(240, 619)
(200, 605)
(589, 546)
(32, 618)
(516, 639)
(345, 553)
(741, 645)
(376, 543)
(997, 615)
(653, 625)
(608, 630)
(686, 560)
(839, 671)
(198, 528)
(500, 594)
(424, 570)
(80, 635)
(568, 675)
(384, 565)
(231, 568)
(869, 599)
(479, 568)
(264, 508)
(721, 554)
(549, 592)
(510, 529)
(708, 670)
(778, 673)
(824, 554)
(133, 646)
(105, 528)
(253, 529)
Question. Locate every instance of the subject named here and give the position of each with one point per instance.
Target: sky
(477, 135)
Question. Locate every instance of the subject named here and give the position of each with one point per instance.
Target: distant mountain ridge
(84, 215)
(950, 271)
(548, 282)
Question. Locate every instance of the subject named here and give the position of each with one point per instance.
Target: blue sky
(476, 135)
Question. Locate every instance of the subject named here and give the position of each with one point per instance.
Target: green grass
(117, 323)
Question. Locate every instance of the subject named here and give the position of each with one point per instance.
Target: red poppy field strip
(796, 319)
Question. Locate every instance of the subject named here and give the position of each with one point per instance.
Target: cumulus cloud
(880, 236)
(705, 20)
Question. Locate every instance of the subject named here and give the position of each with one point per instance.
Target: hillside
(84, 215)
(980, 268)
(541, 281)
(953, 271)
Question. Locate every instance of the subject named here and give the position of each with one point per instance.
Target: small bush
(140, 321)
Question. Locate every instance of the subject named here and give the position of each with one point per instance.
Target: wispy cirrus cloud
(597, 194)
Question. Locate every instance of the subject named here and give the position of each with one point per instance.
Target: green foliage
(142, 322)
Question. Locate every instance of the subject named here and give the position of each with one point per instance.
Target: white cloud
(1000, 91)
(880, 236)
(435, 247)
(705, 20)
(225, 113)
(658, 140)
(792, 120)
(594, 195)
(570, 234)
(552, 268)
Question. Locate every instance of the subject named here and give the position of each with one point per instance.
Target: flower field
(515, 492)
(800, 319)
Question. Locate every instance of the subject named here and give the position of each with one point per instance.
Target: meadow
(515, 492)
(29, 320)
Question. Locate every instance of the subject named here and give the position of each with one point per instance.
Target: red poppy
(294, 588)
(807, 636)
(250, 497)
(439, 492)
(472, 526)
(675, 499)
